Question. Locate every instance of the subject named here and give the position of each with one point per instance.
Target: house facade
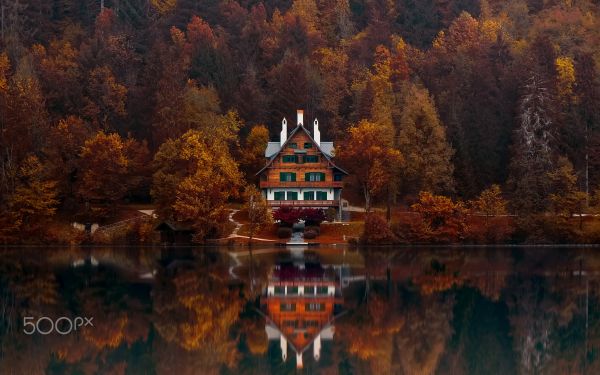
(300, 171)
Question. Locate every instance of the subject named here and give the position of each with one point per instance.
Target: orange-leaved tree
(441, 219)
(368, 154)
(106, 162)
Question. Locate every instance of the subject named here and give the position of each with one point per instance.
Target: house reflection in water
(301, 303)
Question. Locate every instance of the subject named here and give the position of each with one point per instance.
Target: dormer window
(293, 145)
(308, 145)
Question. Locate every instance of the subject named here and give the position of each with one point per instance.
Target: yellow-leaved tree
(422, 139)
(193, 181)
(565, 78)
(252, 154)
(368, 154)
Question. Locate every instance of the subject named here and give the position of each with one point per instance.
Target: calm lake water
(320, 311)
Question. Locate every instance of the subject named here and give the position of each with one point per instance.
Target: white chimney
(317, 133)
(283, 135)
(300, 114)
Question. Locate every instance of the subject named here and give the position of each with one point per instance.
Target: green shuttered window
(314, 176)
(287, 176)
(290, 158)
(309, 195)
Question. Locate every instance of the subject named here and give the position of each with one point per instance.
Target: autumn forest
(449, 110)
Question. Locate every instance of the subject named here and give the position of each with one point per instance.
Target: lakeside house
(300, 171)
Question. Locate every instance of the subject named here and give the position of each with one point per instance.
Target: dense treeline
(469, 92)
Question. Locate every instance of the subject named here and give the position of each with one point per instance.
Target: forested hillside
(167, 100)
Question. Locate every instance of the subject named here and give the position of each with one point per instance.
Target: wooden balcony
(303, 203)
(301, 184)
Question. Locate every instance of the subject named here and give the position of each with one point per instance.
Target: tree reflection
(407, 311)
(195, 308)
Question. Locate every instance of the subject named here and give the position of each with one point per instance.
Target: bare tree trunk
(367, 199)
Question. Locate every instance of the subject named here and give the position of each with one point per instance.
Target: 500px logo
(63, 325)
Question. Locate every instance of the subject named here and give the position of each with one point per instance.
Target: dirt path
(238, 226)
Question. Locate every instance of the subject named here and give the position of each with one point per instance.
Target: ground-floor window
(279, 195)
(321, 195)
(292, 196)
(309, 195)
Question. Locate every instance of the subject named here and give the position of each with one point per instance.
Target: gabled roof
(326, 149)
(272, 149)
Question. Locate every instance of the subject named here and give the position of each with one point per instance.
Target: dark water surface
(324, 311)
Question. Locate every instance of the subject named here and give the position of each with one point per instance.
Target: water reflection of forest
(404, 311)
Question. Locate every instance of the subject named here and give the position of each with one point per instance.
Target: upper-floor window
(307, 145)
(292, 145)
(287, 176)
(314, 176)
(322, 289)
(311, 158)
(290, 158)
